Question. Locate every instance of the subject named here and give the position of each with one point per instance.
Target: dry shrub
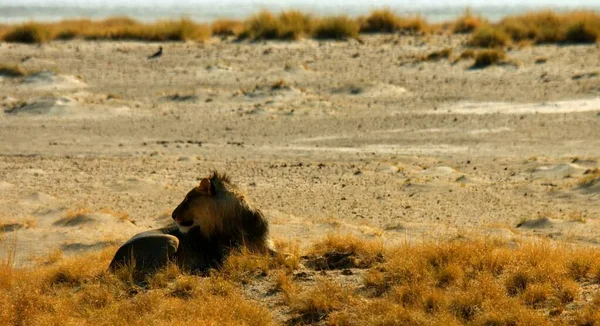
(536, 294)
(381, 21)
(540, 26)
(414, 25)
(289, 25)
(489, 37)
(583, 32)
(3, 30)
(567, 291)
(227, 27)
(29, 33)
(467, 23)
(580, 266)
(116, 28)
(449, 275)
(336, 28)
(465, 305)
(181, 30)
(263, 25)
(486, 58)
(551, 27)
(386, 21)
(517, 282)
(294, 25)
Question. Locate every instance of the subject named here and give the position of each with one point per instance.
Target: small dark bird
(157, 54)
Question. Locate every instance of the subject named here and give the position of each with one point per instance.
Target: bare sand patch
(570, 106)
(51, 81)
(558, 171)
(5, 185)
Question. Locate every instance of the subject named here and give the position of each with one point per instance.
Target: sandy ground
(323, 136)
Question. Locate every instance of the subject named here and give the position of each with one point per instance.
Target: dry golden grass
(314, 304)
(263, 25)
(381, 21)
(336, 28)
(467, 23)
(487, 282)
(345, 251)
(80, 291)
(28, 33)
(289, 25)
(542, 27)
(386, 21)
(489, 37)
(3, 29)
(227, 27)
(117, 28)
(535, 27)
(486, 58)
(295, 25)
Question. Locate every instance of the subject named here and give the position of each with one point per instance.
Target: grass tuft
(489, 37)
(381, 21)
(28, 33)
(117, 28)
(227, 27)
(486, 58)
(548, 27)
(294, 25)
(289, 25)
(336, 28)
(468, 23)
(339, 252)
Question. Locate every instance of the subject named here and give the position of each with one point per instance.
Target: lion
(213, 219)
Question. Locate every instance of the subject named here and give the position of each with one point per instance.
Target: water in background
(13, 11)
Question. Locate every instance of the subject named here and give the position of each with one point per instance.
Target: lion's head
(216, 206)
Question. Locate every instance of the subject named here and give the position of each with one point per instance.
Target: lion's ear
(204, 187)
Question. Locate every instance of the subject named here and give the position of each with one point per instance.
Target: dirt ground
(325, 137)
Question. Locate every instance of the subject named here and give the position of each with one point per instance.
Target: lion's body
(213, 219)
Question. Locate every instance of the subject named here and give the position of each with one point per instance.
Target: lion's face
(197, 209)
